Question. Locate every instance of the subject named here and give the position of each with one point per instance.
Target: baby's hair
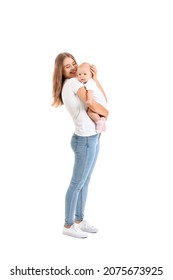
(84, 63)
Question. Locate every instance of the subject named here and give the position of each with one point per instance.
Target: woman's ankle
(67, 226)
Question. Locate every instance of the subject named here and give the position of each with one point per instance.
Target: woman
(85, 140)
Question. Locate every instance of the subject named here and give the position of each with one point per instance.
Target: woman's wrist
(95, 79)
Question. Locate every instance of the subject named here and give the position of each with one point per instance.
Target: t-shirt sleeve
(75, 85)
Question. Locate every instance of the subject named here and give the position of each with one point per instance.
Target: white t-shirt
(84, 126)
(97, 94)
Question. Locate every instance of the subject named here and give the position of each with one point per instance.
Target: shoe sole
(80, 237)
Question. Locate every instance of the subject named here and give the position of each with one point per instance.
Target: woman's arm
(94, 76)
(100, 87)
(94, 106)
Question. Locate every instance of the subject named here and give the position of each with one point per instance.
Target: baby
(84, 75)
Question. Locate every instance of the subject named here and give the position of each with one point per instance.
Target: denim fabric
(86, 151)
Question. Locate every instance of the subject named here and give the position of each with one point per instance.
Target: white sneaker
(74, 231)
(85, 226)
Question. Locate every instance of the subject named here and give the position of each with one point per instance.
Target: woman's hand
(93, 71)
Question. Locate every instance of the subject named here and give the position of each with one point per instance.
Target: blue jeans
(86, 151)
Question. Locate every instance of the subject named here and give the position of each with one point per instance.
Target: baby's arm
(89, 96)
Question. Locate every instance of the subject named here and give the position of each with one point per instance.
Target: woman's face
(69, 68)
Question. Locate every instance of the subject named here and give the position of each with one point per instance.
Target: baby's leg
(94, 116)
(99, 121)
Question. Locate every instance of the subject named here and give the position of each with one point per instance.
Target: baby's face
(84, 73)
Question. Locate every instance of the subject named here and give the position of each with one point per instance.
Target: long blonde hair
(58, 78)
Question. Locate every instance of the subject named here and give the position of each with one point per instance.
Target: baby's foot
(99, 126)
(104, 124)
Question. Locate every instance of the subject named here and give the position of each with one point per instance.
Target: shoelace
(76, 227)
(87, 225)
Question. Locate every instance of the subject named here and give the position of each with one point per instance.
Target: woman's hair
(58, 78)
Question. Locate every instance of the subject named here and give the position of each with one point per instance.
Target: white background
(130, 195)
